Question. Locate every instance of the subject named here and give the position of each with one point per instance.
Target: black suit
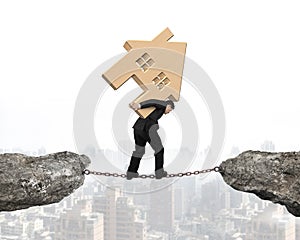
(145, 130)
(145, 124)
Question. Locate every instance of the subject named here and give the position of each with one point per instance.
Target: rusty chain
(107, 174)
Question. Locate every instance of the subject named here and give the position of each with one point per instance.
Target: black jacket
(145, 123)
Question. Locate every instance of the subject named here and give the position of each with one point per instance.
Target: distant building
(268, 146)
(156, 235)
(107, 205)
(19, 226)
(128, 225)
(178, 202)
(236, 198)
(272, 223)
(213, 198)
(121, 217)
(80, 223)
(188, 185)
(161, 214)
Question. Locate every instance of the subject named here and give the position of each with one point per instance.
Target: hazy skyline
(249, 49)
(253, 62)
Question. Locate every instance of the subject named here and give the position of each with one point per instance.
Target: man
(145, 130)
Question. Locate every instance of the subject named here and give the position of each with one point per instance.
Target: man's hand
(134, 106)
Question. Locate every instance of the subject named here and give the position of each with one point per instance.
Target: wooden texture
(156, 66)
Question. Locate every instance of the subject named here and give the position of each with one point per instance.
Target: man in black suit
(145, 130)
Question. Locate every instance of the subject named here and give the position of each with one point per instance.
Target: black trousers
(141, 138)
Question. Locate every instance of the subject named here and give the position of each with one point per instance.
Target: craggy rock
(271, 176)
(31, 181)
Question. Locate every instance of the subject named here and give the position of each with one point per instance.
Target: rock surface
(271, 176)
(31, 181)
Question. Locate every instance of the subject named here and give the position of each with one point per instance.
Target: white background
(250, 49)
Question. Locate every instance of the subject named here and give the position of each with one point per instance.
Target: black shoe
(160, 173)
(130, 175)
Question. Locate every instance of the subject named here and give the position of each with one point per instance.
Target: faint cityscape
(188, 209)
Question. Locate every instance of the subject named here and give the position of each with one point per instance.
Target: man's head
(170, 106)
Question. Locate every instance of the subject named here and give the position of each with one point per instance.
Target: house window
(161, 80)
(144, 62)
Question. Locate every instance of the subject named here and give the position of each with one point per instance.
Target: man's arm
(158, 104)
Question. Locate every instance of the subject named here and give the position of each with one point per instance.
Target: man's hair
(170, 102)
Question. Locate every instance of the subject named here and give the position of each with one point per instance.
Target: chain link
(169, 175)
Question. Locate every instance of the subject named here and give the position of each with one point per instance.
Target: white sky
(250, 50)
